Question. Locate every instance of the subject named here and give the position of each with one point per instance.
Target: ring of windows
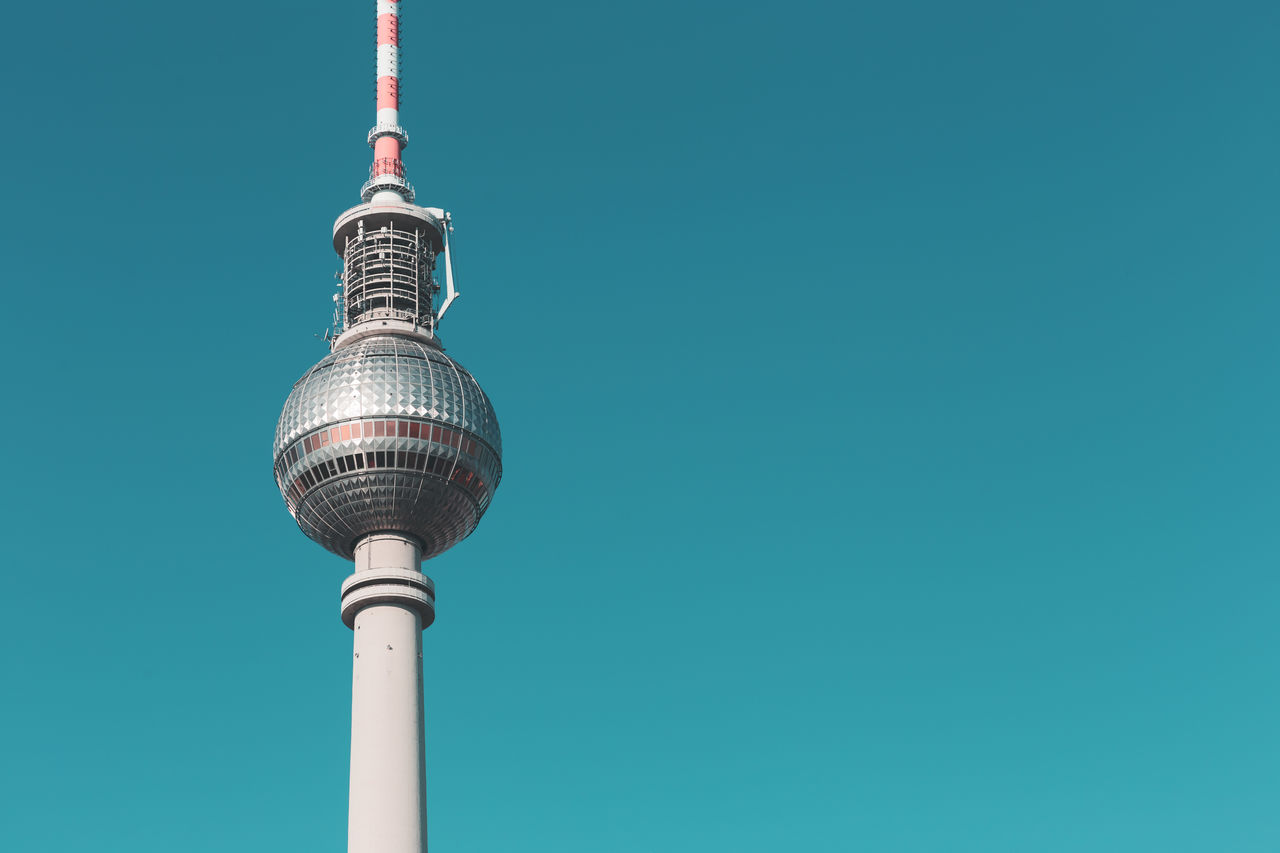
(461, 465)
(356, 430)
(391, 461)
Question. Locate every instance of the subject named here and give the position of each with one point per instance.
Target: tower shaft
(388, 602)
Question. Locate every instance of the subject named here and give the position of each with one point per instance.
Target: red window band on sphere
(470, 452)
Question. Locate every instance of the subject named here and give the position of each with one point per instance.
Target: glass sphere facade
(388, 434)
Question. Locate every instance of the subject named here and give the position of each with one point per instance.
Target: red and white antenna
(391, 247)
(388, 138)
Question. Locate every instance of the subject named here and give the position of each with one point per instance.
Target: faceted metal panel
(386, 376)
(338, 513)
(434, 484)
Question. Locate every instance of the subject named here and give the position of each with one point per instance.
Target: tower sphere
(388, 434)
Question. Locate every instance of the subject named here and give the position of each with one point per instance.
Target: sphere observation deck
(388, 434)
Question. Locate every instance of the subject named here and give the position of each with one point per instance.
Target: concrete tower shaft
(387, 603)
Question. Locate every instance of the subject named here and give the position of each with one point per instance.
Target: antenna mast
(390, 246)
(387, 137)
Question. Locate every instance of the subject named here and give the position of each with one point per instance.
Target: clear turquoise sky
(887, 394)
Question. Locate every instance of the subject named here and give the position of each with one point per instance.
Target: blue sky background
(887, 395)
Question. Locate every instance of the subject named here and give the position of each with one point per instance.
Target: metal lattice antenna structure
(390, 247)
(388, 453)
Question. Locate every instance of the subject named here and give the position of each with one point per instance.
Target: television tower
(388, 453)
